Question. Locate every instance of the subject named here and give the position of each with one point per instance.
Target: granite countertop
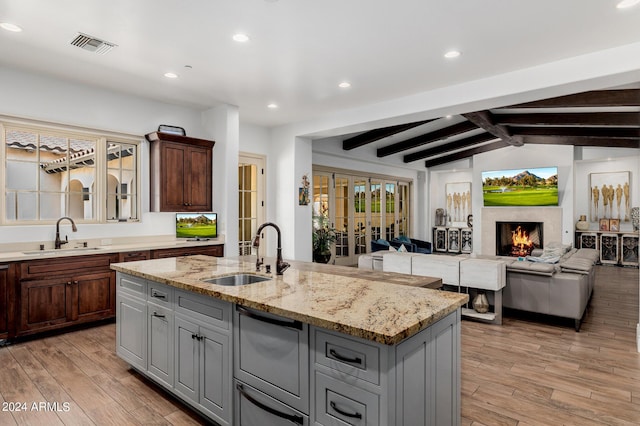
(29, 251)
(366, 304)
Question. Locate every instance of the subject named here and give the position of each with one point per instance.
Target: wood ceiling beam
(465, 154)
(434, 136)
(377, 134)
(451, 146)
(486, 121)
(582, 141)
(587, 132)
(596, 98)
(631, 119)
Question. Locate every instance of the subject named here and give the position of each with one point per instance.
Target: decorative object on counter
(609, 196)
(441, 217)
(470, 221)
(323, 236)
(603, 224)
(614, 225)
(582, 224)
(481, 303)
(458, 198)
(175, 130)
(635, 218)
(303, 191)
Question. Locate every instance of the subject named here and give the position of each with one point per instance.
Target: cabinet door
(174, 186)
(198, 181)
(131, 330)
(186, 359)
(45, 303)
(160, 323)
(95, 296)
(215, 373)
(4, 278)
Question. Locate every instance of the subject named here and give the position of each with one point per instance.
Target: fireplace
(518, 239)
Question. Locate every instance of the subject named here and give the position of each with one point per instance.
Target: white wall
(38, 97)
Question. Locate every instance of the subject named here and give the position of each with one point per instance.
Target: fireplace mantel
(551, 217)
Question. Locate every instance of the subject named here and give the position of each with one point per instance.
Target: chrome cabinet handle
(158, 295)
(336, 355)
(355, 415)
(291, 324)
(291, 417)
(157, 315)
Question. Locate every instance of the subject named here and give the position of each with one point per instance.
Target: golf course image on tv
(521, 187)
(196, 225)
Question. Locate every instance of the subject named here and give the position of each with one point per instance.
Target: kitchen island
(317, 345)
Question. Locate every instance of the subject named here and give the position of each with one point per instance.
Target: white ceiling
(301, 49)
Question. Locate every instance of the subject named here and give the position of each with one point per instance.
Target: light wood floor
(524, 372)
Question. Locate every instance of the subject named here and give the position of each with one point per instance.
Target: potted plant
(323, 236)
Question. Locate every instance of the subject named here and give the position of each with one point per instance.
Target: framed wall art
(458, 202)
(610, 196)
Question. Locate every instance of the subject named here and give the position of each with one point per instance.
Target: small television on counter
(197, 226)
(521, 187)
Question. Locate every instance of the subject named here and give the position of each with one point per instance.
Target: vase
(480, 303)
(582, 224)
(321, 257)
(635, 218)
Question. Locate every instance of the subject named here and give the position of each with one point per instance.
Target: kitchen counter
(28, 251)
(368, 304)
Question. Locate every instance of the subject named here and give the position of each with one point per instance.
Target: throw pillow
(402, 248)
(404, 239)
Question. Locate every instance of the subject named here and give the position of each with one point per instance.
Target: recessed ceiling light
(241, 38)
(627, 3)
(452, 54)
(344, 85)
(170, 75)
(10, 27)
(272, 106)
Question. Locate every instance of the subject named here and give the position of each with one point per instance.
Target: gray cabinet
(271, 354)
(131, 320)
(161, 343)
(252, 407)
(203, 358)
(359, 382)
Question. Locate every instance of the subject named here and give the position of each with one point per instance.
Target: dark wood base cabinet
(56, 293)
(4, 305)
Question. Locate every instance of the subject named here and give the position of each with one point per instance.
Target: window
(52, 172)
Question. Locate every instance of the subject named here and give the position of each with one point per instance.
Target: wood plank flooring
(529, 371)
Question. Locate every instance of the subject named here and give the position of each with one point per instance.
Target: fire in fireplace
(518, 239)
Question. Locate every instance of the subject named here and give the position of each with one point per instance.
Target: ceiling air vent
(92, 44)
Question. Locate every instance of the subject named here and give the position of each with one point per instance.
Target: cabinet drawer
(337, 402)
(253, 407)
(352, 357)
(160, 293)
(213, 250)
(129, 284)
(131, 256)
(207, 309)
(271, 353)
(67, 266)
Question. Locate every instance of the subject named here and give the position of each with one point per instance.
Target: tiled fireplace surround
(551, 217)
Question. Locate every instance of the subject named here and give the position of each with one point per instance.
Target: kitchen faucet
(281, 265)
(58, 243)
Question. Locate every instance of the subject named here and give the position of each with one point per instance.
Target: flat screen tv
(521, 187)
(198, 226)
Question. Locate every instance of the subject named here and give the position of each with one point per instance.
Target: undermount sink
(237, 279)
(63, 251)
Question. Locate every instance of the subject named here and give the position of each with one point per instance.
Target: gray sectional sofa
(562, 289)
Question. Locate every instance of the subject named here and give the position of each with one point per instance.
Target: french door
(250, 199)
(360, 209)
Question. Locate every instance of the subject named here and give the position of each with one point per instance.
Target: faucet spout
(58, 242)
(281, 265)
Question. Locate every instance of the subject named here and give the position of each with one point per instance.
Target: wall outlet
(105, 242)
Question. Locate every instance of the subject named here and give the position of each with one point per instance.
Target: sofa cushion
(532, 268)
(586, 253)
(577, 265)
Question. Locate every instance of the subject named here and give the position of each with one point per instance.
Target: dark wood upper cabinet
(181, 173)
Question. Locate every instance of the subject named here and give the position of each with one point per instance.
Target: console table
(615, 248)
